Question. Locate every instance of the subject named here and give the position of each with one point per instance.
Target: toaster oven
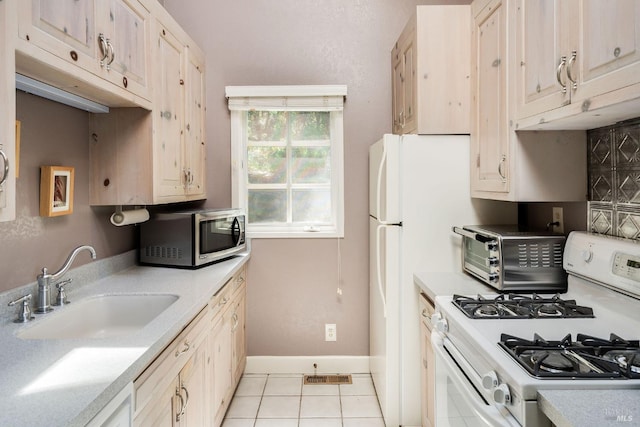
(512, 259)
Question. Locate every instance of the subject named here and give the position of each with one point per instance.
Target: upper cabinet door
(66, 28)
(608, 53)
(489, 135)
(107, 39)
(194, 124)
(126, 27)
(571, 52)
(168, 121)
(542, 39)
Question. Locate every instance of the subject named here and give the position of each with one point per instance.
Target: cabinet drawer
(427, 308)
(167, 366)
(221, 300)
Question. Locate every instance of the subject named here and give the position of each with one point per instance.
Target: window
(287, 159)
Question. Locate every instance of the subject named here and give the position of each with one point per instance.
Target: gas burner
(587, 357)
(486, 310)
(553, 362)
(549, 310)
(628, 360)
(520, 307)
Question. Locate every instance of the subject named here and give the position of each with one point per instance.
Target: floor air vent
(327, 379)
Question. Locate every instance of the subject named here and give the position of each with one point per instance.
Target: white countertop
(435, 284)
(67, 382)
(591, 408)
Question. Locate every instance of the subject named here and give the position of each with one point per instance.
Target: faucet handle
(61, 299)
(25, 312)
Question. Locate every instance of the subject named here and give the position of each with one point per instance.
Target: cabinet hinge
(478, 161)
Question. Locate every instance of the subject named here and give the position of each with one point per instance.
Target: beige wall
(292, 291)
(53, 134)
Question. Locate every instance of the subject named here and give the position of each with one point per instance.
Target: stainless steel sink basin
(99, 317)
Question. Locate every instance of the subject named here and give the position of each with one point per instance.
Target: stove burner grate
(587, 357)
(513, 306)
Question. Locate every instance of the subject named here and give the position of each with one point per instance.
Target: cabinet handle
(563, 62)
(5, 169)
(103, 48)
(182, 405)
(503, 160)
(424, 313)
(186, 348)
(572, 60)
(223, 301)
(186, 400)
(236, 322)
(112, 54)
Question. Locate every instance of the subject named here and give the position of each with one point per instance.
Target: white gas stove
(493, 353)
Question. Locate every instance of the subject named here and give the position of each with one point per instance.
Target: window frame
(328, 98)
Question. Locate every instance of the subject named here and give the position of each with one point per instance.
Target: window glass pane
(311, 165)
(267, 165)
(312, 206)
(266, 125)
(267, 206)
(311, 125)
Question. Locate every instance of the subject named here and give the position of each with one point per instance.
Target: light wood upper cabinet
(127, 28)
(169, 114)
(505, 164)
(490, 143)
(8, 116)
(155, 157)
(579, 60)
(107, 39)
(430, 79)
(195, 123)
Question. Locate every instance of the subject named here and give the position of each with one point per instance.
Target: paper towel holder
(132, 216)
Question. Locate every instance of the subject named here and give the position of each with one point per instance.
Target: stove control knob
(490, 380)
(587, 255)
(440, 323)
(502, 395)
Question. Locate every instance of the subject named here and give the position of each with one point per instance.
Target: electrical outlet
(558, 218)
(330, 332)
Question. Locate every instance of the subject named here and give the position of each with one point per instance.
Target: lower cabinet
(193, 380)
(228, 343)
(427, 371)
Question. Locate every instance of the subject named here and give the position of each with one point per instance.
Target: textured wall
(53, 134)
(292, 290)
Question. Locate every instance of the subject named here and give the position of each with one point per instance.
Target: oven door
(457, 400)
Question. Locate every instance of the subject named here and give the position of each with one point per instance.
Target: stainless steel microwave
(191, 239)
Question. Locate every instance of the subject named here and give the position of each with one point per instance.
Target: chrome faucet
(43, 304)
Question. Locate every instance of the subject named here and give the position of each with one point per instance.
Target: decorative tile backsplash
(614, 179)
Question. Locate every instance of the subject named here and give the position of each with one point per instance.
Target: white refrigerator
(418, 190)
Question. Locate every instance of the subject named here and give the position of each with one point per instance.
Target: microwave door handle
(475, 236)
(233, 231)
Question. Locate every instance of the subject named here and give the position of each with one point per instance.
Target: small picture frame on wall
(56, 190)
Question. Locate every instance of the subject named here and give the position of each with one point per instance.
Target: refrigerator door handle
(379, 271)
(383, 162)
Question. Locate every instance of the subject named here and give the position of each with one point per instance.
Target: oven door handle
(488, 412)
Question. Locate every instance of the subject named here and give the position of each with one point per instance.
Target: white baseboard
(304, 364)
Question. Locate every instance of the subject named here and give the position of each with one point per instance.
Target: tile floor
(284, 401)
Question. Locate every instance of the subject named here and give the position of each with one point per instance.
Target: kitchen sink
(99, 317)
